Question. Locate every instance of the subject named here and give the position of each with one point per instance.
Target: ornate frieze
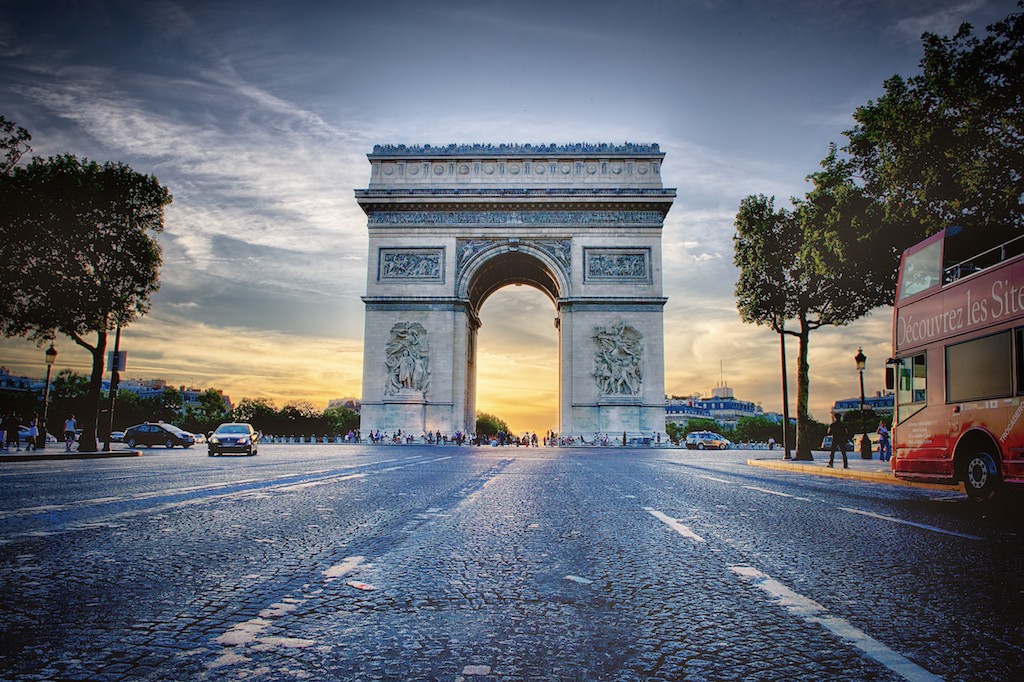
(617, 265)
(407, 359)
(560, 250)
(411, 264)
(653, 218)
(619, 359)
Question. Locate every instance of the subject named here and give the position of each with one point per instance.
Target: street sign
(120, 356)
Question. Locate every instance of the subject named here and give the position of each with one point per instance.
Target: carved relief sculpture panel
(407, 358)
(416, 264)
(619, 359)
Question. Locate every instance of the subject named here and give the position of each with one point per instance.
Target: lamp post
(51, 356)
(861, 361)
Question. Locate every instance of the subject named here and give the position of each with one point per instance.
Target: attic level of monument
(516, 168)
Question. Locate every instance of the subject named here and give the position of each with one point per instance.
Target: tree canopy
(489, 425)
(946, 146)
(77, 255)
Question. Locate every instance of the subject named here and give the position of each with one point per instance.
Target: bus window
(979, 369)
(921, 270)
(911, 387)
(1020, 359)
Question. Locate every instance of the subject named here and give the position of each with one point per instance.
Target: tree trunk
(90, 420)
(803, 391)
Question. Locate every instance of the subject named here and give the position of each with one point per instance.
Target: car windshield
(173, 429)
(232, 428)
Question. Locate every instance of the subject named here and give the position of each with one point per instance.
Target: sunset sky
(258, 116)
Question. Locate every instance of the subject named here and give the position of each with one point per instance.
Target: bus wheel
(981, 476)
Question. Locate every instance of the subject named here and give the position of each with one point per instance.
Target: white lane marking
(674, 525)
(578, 579)
(893, 519)
(813, 612)
(712, 478)
(776, 492)
(765, 490)
(313, 484)
(347, 565)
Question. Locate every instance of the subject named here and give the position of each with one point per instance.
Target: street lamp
(51, 356)
(861, 361)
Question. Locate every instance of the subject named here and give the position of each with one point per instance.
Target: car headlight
(214, 439)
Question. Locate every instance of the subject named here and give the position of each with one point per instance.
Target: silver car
(706, 440)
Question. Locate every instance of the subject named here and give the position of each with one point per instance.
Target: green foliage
(489, 425)
(68, 383)
(14, 143)
(342, 419)
(757, 430)
(77, 254)
(254, 410)
(704, 424)
(675, 432)
(946, 146)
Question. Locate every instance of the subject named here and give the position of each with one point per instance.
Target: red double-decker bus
(958, 364)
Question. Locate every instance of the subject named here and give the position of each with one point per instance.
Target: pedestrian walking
(884, 444)
(70, 431)
(33, 435)
(11, 429)
(771, 443)
(837, 429)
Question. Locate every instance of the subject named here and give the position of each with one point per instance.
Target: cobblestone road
(422, 563)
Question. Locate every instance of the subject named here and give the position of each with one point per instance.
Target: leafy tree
(211, 405)
(816, 263)
(489, 425)
(260, 412)
(946, 146)
(703, 424)
(208, 412)
(757, 429)
(77, 255)
(342, 420)
(14, 143)
(166, 407)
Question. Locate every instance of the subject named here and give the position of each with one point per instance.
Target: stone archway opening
(517, 359)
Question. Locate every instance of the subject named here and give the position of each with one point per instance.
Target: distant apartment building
(881, 403)
(722, 406)
(12, 383)
(151, 388)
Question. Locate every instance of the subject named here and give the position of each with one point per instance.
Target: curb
(69, 455)
(871, 476)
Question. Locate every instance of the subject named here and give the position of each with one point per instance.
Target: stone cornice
(487, 150)
(485, 192)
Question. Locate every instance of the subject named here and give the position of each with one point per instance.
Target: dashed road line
(813, 612)
(674, 525)
(776, 492)
(893, 519)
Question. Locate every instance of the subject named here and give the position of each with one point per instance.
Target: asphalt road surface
(341, 562)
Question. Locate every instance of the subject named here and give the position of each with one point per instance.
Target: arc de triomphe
(451, 225)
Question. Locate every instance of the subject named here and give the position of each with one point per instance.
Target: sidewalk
(872, 470)
(52, 452)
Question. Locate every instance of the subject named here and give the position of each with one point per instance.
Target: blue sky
(258, 116)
